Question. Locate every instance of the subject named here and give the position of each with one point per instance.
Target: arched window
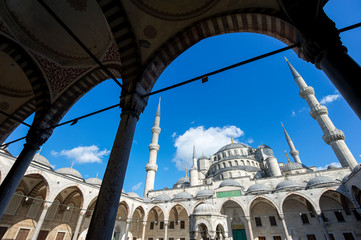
(248, 164)
(224, 165)
(242, 162)
(235, 163)
(34, 208)
(52, 210)
(229, 153)
(230, 164)
(68, 212)
(235, 152)
(14, 203)
(223, 154)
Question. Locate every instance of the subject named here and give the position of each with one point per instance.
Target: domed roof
(262, 146)
(258, 188)
(183, 180)
(320, 181)
(205, 193)
(94, 181)
(161, 198)
(69, 171)
(287, 184)
(182, 196)
(205, 209)
(203, 157)
(133, 195)
(42, 160)
(146, 200)
(292, 166)
(233, 145)
(230, 182)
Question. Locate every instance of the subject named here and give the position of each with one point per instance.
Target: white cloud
(207, 141)
(335, 164)
(330, 98)
(174, 134)
(250, 140)
(136, 187)
(166, 168)
(87, 154)
(293, 113)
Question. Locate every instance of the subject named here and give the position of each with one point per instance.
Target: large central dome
(233, 145)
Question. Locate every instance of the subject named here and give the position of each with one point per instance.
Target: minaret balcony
(318, 110)
(306, 91)
(153, 146)
(333, 136)
(151, 167)
(155, 130)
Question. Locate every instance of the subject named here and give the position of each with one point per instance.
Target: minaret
(193, 172)
(152, 166)
(294, 153)
(332, 135)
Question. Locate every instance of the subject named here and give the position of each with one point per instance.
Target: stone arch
(220, 24)
(202, 229)
(90, 207)
(40, 102)
(40, 185)
(123, 210)
(267, 199)
(220, 233)
(183, 206)
(136, 225)
(235, 213)
(178, 218)
(154, 222)
(311, 201)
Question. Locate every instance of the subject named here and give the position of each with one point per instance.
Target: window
(22, 234)
(258, 221)
(230, 164)
(224, 165)
(60, 236)
(277, 238)
(171, 225)
(171, 238)
(150, 238)
(272, 220)
(261, 238)
(182, 225)
(235, 163)
(331, 236)
(357, 215)
(339, 216)
(325, 219)
(348, 236)
(235, 152)
(2, 231)
(311, 237)
(161, 225)
(151, 225)
(182, 239)
(304, 218)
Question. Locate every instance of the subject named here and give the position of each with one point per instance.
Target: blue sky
(248, 102)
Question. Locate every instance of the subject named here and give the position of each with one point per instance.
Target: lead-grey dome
(233, 145)
(183, 180)
(288, 184)
(42, 161)
(230, 183)
(182, 196)
(161, 198)
(133, 195)
(258, 188)
(292, 166)
(205, 193)
(146, 200)
(69, 171)
(320, 181)
(205, 209)
(94, 181)
(262, 146)
(203, 157)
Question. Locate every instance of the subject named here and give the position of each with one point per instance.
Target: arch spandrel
(41, 181)
(157, 211)
(235, 201)
(267, 200)
(314, 204)
(179, 205)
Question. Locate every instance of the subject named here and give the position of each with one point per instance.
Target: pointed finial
(293, 70)
(40, 150)
(232, 139)
(288, 138)
(97, 175)
(286, 59)
(158, 109)
(186, 172)
(72, 164)
(261, 143)
(288, 159)
(194, 151)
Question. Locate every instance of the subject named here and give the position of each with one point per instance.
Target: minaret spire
(193, 172)
(332, 135)
(294, 153)
(152, 166)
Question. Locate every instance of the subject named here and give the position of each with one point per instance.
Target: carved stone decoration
(150, 32)
(78, 5)
(112, 54)
(59, 77)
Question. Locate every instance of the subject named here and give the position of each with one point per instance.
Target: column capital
(133, 104)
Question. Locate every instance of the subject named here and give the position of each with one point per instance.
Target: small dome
(205, 193)
(42, 161)
(205, 209)
(292, 166)
(161, 198)
(146, 200)
(203, 157)
(69, 171)
(258, 188)
(320, 181)
(94, 181)
(230, 182)
(287, 184)
(183, 180)
(182, 196)
(233, 145)
(133, 195)
(262, 146)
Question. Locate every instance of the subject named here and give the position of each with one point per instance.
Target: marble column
(284, 225)
(323, 226)
(40, 221)
(166, 229)
(248, 226)
(78, 224)
(102, 222)
(34, 139)
(129, 220)
(143, 230)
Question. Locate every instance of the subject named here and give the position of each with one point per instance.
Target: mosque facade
(239, 192)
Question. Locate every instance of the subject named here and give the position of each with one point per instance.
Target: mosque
(237, 193)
